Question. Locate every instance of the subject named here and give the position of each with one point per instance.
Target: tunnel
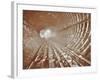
(56, 39)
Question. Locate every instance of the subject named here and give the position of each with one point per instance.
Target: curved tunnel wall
(69, 47)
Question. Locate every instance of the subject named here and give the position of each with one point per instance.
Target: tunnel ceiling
(56, 39)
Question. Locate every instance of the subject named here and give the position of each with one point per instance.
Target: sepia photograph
(53, 39)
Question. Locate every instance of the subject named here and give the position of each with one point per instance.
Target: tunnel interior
(56, 39)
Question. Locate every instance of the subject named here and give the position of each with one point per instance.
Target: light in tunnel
(47, 33)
